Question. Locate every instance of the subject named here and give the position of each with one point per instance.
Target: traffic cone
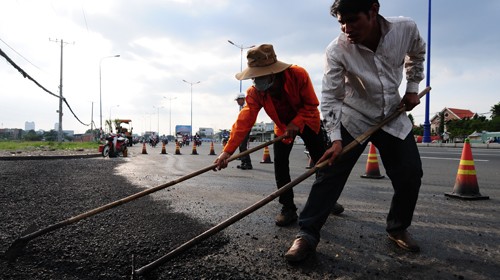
(177, 148)
(372, 170)
(466, 186)
(266, 158)
(144, 152)
(163, 150)
(194, 152)
(212, 151)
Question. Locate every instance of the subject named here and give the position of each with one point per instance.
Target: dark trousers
(401, 160)
(315, 145)
(243, 147)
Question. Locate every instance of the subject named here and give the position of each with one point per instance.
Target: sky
(163, 43)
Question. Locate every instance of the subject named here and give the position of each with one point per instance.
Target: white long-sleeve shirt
(360, 87)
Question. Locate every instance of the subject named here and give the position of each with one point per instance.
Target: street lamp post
(170, 113)
(241, 47)
(100, 88)
(427, 126)
(158, 107)
(191, 103)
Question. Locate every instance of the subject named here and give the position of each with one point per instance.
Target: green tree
(463, 128)
(50, 135)
(32, 136)
(441, 123)
(418, 130)
(494, 124)
(410, 116)
(495, 110)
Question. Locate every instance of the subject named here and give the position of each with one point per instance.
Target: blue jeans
(401, 160)
(315, 145)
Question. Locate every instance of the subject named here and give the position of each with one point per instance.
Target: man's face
(358, 27)
(240, 101)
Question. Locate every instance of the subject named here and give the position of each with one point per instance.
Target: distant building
(29, 126)
(450, 114)
(206, 132)
(262, 132)
(10, 133)
(69, 133)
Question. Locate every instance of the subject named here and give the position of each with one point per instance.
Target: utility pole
(59, 131)
(170, 113)
(191, 83)
(92, 121)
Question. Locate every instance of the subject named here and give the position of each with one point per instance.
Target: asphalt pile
(101, 246)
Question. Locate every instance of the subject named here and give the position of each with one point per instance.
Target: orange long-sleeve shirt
(301, 96)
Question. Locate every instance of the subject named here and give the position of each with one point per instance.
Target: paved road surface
(458, 238)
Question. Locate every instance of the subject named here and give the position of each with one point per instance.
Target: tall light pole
(100, 88)
(158, 107)
(241, 47)
(427, 126)
(170, 113)
(191, 103)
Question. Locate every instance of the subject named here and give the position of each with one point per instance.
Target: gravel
(102, 246)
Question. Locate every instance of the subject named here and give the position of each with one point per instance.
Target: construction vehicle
(124, 127)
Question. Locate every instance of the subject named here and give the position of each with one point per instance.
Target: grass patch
(43, 145)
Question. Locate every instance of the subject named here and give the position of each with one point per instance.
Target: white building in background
(29, 126)
(206, 132)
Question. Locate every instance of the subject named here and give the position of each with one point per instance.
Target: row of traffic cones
(177, 149)
(266, 158)
(466, 186)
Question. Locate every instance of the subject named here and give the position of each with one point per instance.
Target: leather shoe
(286, 217)
(337, 209)
(245, 166)
(404, 240)
(299, 251)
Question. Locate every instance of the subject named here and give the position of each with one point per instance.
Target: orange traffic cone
(212, 151)
(466, 186)
(266, 158)
(163, 150)
(177, 148)
(372, 170)
(144, 152)
(194, 152)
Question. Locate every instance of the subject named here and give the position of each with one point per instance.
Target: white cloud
(163, 42)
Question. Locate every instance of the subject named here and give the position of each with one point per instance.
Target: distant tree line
(464, 127)
(31, 135)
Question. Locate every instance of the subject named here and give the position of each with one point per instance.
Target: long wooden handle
(116, 203)
(238, 216)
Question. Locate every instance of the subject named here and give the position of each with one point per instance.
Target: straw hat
(261, 61)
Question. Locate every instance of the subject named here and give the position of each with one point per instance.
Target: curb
(49, 157)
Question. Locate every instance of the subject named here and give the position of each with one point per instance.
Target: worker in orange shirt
(286, 93)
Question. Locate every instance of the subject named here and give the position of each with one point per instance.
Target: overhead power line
(26, 75)
(19, 54)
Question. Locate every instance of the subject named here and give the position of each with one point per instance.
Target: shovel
(238, 216)
(31, 233)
